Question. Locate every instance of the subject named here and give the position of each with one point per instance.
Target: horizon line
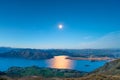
(53, 48)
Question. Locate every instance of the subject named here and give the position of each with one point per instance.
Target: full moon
(60, 26)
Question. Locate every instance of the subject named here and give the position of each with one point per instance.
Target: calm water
(56, 62)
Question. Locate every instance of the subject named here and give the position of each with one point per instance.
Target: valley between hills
(110, 71)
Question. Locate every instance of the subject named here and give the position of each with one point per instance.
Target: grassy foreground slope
(110, 68)
(99, 77)
(44, 72)
(110, 71)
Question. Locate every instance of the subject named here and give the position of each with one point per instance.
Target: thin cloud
(111, 40)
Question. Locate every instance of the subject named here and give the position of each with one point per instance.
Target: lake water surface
(56, 62)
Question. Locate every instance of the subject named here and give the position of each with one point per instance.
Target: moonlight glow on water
(61, 62)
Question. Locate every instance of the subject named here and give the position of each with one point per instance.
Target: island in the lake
(91, 58)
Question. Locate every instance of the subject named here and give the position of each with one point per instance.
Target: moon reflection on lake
(61, 62)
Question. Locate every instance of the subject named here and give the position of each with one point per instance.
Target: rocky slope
(110, 68)
(99, 77)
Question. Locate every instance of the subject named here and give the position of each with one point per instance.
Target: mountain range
(36, 54)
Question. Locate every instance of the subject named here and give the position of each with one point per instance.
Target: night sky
(34, 23)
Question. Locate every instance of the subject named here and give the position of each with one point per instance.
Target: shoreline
(92, 59)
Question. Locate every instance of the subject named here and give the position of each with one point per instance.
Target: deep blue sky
(34, 23)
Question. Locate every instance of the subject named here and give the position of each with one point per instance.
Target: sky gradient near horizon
(34, 23)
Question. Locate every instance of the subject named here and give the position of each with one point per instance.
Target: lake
(57, 62)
